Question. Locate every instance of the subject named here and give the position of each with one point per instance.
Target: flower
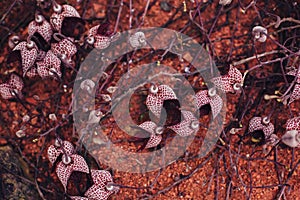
(49, 66)
(264, 125)
(103, 186)
(292, 135)
(209, 97)
(60, 14)
(100, 37)
(58, 148)
(157, 96)
(12, 88)
(187, 126)
(95, 116)
(29, 53)
(64, 49)
(155, 131)
(40, 26)
(87, 85)
(69, 164)
(260, 33)
(231, 82)
(138, 39)
(70, 161)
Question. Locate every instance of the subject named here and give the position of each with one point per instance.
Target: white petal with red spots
(98, 191)
(155, 139)
(44, 29)
(49, 63)
(293, 124)
(184, 127)
(154, 102)
(256, 124)
(14, 85)
(216, 102)
(28, 55)
(64, 171)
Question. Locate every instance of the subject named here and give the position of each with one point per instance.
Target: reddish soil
(233, 170)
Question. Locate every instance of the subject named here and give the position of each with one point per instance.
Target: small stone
(20, 133)
(25, 118)
(165, 6)
(52, 117)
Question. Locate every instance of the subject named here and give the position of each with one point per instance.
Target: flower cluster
(52, 44)
(70, 161)
(155, 103)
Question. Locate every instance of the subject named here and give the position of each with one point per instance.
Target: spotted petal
(295, 94)
(155, 101)
(56, 19)
(94, 192)
(293, 124)
(16, 82)
(148, 126)
(98, 191)
(102, 42)
(153, 141)
(32, 72)
(5, 91)
(216, 102)
(268, 130)
(48, 64)
(53, 153)
(64, 171)
(256, 124)
(43, 28)
(216, 105)
(223, 83)
(64, 48)
(184, 128)
(202, 98)
(28, 55)
(14, 85)
(235, 76)
(101, 177)
(67, 147)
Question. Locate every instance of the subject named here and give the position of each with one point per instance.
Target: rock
(14, 187)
